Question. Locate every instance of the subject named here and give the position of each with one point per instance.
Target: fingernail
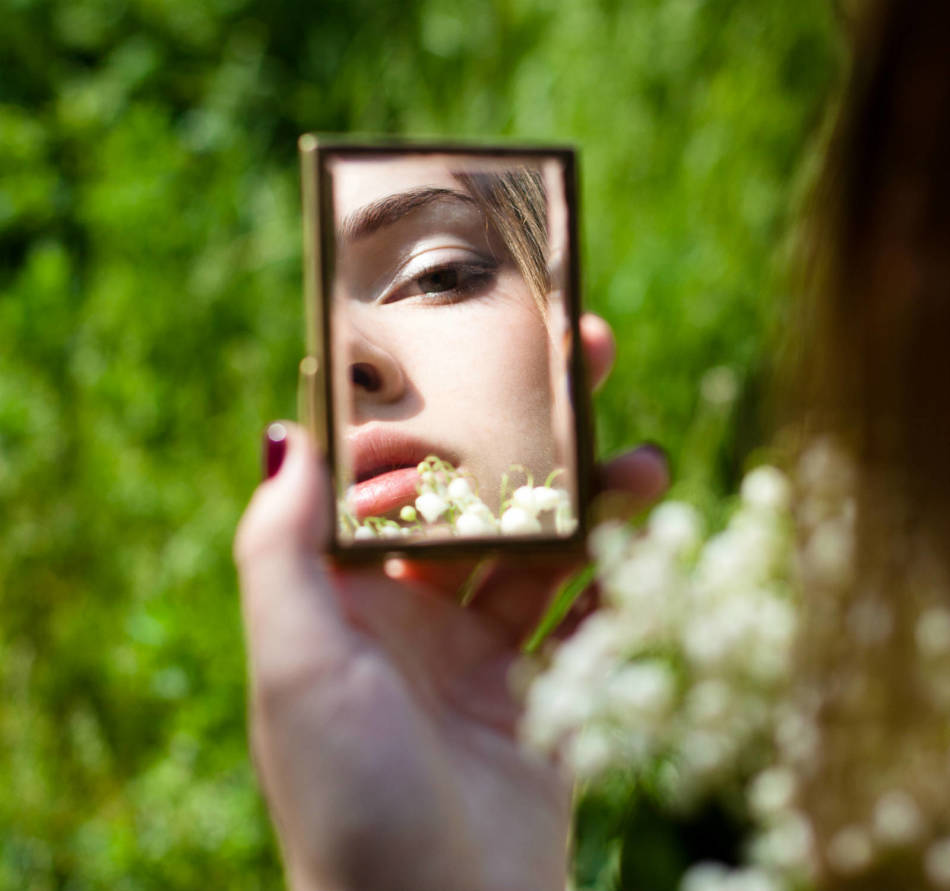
(656, 450)
(273, 449)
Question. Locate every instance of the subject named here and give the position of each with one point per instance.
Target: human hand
(382, 718)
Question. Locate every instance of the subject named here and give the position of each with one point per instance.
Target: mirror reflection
(450, 339)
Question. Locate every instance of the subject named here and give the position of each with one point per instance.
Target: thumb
(292, 618)
(291, 506)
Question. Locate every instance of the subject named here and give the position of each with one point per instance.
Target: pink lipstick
(385, 471)
(381, 494)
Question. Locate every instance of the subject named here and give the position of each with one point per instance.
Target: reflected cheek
(487, 370)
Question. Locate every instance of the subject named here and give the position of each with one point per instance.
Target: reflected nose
(366, 376)
(375, 374)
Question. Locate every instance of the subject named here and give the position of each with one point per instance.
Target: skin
(465, 368)
(380, 714)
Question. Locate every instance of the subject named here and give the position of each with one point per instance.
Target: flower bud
(517, 521)
(431, 506)
(474, 522)
(523, 498)
(545, 498)
(459, 488)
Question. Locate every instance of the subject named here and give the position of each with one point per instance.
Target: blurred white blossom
(933, 632)
(677, 668)
(786, 844)
(937, 863)
(772, 792)
(675, 526)
(767, 489)
(704, 876)
(641, 690)
(686, 677)
(897, 818)
(719, 386)
(717, 877)
(850, 850)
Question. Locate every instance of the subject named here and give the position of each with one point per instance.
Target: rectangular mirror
(443, 332)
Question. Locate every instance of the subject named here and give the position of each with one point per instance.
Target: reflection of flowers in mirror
(448, 501)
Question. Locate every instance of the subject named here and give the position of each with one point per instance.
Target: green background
(151, 324)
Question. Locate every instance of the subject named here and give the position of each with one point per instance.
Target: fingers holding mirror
(600, 348)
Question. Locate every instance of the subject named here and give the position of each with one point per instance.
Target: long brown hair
(873, 356)
(515, 203)
(876, 331)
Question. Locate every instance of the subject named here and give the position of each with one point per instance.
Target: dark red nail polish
(273, 449)
(657, 450)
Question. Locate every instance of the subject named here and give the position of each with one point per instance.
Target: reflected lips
(383, 493)
(384, 467)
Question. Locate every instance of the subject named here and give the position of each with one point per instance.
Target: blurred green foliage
(151, 322)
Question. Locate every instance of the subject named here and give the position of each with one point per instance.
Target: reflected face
(441, 344)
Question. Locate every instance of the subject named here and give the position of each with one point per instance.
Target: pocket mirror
(446, 383)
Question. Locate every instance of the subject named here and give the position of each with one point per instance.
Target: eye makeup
(443, 281)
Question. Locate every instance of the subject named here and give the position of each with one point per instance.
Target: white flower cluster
(866, 729)
(716, 877)
(680, 669)
(523, 513)
(686, 676)
(682, 673)
(448, 502)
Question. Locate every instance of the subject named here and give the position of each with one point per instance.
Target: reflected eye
(446, 279)
(444, 283)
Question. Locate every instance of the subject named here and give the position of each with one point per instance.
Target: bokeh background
(151, 324)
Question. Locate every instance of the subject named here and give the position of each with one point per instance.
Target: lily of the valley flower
(518, 521)
(447, 497)
(431, 505)
(475, 522)
(459, 489)
(685, 653)
(546, 498)
(524, 498)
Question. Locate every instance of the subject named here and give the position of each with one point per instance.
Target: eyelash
(472, 277)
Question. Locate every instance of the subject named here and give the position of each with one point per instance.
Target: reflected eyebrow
(392, 208)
